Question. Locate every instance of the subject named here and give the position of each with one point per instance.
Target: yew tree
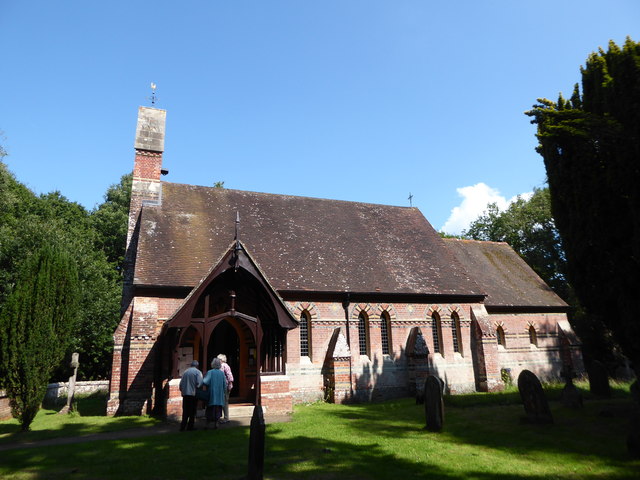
(36, 324)
(590, 144)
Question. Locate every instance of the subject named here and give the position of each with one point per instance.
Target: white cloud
(475, 199)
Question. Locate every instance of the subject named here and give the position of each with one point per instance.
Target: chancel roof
(300, 243)
(506, 278)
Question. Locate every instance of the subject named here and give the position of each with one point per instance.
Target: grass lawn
(87, 419)
(483, 439)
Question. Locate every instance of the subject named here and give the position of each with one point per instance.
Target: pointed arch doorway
(234, 340)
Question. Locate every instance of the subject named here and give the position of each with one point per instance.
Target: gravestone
(599, 379)
(533, 398)
(256, 445)
(71, 389)
(570, 396)
(433, 403)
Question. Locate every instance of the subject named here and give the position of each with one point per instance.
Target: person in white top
(226, 369)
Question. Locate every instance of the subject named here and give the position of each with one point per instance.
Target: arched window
(436, 331)
(305, 334)
(385, 333)
(533, 336)
(455, 333)
(363, 333)
(501, 338)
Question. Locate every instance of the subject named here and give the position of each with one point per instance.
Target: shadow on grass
(222, 454)
(597, 432)
(344, 460)
(353, 442)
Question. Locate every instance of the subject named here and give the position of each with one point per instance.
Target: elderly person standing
(216, 386)
(190, 381)
(226, 369)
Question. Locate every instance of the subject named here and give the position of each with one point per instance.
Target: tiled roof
(503, 274)
(300, 243)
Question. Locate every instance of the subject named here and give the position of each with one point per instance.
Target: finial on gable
(237, 247)
(237, 226)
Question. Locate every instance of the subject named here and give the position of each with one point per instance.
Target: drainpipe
(345, 304)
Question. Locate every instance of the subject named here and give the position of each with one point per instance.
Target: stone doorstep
(236, 411)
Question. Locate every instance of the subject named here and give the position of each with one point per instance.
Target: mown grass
(483, 439)
(88, 418)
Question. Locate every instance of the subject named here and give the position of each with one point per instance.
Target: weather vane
(153, 94)
(410, 199)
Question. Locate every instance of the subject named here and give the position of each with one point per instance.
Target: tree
(111, 221)
(37, 322)
(97, 240)
(16, 204)
(590, 144)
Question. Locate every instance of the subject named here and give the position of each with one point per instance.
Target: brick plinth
(337, 381)
(276, 394)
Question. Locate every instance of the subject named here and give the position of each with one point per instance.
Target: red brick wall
(372, 377)
(276, 394)
(377, 375)
(131, 386)
(543, 359)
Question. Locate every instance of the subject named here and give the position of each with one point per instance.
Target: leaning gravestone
(532, 395)
(433, 403)
(598, 379)
(570, 396)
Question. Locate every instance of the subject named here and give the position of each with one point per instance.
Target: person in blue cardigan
(216, 386)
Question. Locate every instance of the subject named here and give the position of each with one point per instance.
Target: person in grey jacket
(191, 380)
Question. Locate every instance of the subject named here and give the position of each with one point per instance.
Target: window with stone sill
(533, 336)
(455, 333)
(385, 333)
(363, 334)
(305, 334)
(436, 331)
(500, 336)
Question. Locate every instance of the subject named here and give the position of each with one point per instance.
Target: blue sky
(365, 101)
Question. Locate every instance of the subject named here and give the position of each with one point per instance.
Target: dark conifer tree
(591, 149)
(36, 324)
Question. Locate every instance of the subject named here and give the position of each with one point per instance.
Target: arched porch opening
(233, 311)
(236, 341)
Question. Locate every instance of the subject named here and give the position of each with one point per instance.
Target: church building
(315, 299)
